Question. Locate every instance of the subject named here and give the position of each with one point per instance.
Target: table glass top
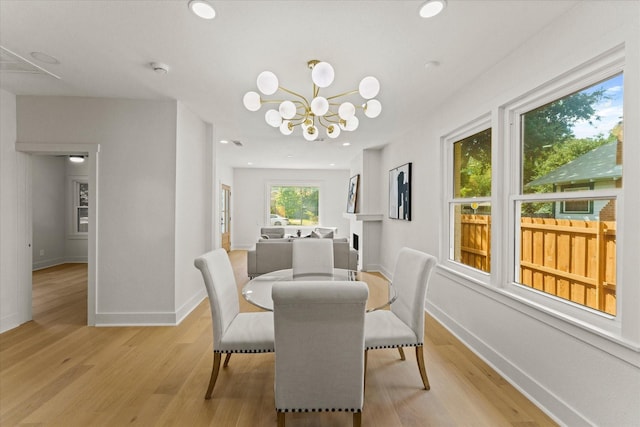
(258, 290)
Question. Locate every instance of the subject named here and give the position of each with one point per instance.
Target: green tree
(475, 165)
(552, 124)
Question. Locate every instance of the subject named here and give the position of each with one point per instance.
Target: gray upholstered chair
(403, 325)
(272, 232)
(319, 337)
(312, 257)
(233, 332)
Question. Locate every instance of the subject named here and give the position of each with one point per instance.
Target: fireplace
(354, 241)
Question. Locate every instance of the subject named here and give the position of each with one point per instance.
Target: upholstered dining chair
(233, 332)
(403, 325)
(312, 256)
(319, 337)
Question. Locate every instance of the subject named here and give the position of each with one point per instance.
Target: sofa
(276, 254)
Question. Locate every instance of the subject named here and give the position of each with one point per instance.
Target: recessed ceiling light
(159, 67)
(76, 159)
(346, 144)
(224, 141)
(432, 7)
(250, 163)
(43, 57)
(202, 8)
(332, 164)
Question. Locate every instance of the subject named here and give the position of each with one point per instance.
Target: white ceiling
(105, 46)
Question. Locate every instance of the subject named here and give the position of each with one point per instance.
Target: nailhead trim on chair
(394, 346)
(270, 350)
(319, 410)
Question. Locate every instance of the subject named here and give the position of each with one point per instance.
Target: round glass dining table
(258, 290)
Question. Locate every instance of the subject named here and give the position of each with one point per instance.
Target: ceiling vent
(11, 62)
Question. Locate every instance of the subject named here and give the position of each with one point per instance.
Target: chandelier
(324, 112)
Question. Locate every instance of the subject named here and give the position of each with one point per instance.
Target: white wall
(49, 210)
(137, 176)
(251, 203)
(579, 376)
(191, 235)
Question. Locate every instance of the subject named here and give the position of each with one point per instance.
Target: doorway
(91, 152)
(225, 217)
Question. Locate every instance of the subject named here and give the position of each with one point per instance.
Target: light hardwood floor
(57, 371)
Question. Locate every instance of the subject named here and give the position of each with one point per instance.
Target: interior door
(225, 217)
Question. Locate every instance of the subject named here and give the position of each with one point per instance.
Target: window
(80, 210)
(469, 194)
(294, 205)
(576, 206)
(570, 158)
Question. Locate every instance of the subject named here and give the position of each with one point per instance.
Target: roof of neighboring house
(597, 165)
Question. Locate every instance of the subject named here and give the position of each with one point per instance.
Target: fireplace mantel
(363, 216)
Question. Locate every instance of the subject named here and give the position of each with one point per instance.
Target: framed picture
(352, 197)
(400, 192)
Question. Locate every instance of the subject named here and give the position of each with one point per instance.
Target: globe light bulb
(372, 108)
(310, 133)
(346, 110)
(273, 118)
(286, 128)
(333, 131)
(351, 124)
(322, 74)
(287, 110)
(251, 101)
(369, 87)
(267, 82)
(319, 106)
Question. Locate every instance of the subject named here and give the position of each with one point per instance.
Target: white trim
(92, 151)
(478, 124)
(603, 67)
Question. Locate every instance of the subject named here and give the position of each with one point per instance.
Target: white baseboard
(150, 318)
(543, 398)
(46, 263)
(190, 305)
(9, 322)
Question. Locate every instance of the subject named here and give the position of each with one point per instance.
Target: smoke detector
(159, 67)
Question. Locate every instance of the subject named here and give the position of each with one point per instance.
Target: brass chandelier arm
(351, 92)
(305, 102)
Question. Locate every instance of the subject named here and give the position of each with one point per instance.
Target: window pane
(472, 235)
(83, 190)
(575, 139)
(574, 259)
(292, 205)
(472, 166)
(83, 220)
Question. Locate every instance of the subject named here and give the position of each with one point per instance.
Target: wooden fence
(572, 259)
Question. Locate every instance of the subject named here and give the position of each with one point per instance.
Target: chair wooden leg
(421, 367)
(214, 374)
(401, 351)
(226, 360)
(357, 419)
(280, 419)
(364, 385)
